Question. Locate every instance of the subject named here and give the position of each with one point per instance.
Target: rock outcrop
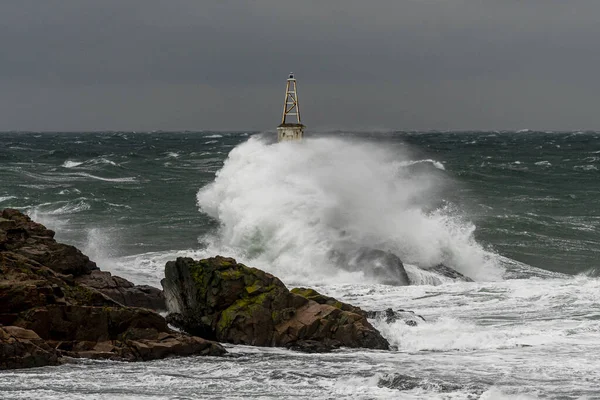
(388, 316)
(383, 266)
(123, 291)
(23, 348)
(312, 294)
(443, 270)
(45, 313)
(220, 299)
(20, 235)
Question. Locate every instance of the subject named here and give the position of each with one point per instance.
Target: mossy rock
(313, 295)
(221, 299)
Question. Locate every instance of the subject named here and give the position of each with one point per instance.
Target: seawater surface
(517, 212)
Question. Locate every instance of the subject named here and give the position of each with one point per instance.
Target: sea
(517, 212)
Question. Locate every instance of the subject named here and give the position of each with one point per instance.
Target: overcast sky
(222, 64)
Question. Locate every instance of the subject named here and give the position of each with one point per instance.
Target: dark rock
(123, 291)
(52, 315)
(22, 348)
(389, 316)
(313, 295)
(407, 382)
(383, 266)
(449, 272)
(220, 299)
(35, 242)
(311, 346)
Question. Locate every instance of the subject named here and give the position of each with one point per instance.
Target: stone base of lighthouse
(290, 132)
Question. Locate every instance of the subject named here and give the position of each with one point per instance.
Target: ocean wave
(125, 179)
(4, 198)
(69, 191)
(72, 164)
(588, 167)
(435, 163)
(92, 162)
(285, 207)
(213, 136)
(60, 208)
(544, 163)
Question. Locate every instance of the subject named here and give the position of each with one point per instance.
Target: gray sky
(222, 64)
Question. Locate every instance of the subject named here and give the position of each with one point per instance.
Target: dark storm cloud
(415, 64)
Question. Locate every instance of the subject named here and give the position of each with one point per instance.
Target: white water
(514, 339)
(280, 209)
(284, 207)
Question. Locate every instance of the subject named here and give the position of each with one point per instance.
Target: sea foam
(284, 207)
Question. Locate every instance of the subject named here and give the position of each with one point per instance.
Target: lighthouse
(290, 128)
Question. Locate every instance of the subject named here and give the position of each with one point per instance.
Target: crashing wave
(285, 207)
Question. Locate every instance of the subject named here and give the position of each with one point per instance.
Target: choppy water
(518, 212)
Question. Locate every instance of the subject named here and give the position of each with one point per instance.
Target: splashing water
(285, 207)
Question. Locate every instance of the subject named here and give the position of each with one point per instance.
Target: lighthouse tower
(290, 128)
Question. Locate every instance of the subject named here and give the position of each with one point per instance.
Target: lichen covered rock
(218, 298)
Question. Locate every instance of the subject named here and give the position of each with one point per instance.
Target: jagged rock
(20, 235)
(449, 272)
(390, 316)
(383, 266)
(310, 346)
(313, 295)
(68, 318)
(407, 382)
(23, 348)
(123, 291)
(34, 241)
(218, 298)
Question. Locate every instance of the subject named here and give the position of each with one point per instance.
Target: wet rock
(35, 242)
(220, 299)
(123, 291)
(407, 382)
(311, 346)
(449, 272)
(22, 348)
(389, 316)
(383, 266)
(313, 295)
(52, 314)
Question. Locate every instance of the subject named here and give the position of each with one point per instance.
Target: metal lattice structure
(291, 107)
(290, 130)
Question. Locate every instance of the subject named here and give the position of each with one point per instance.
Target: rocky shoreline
(56, 304)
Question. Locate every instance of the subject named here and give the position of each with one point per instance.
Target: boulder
(123, 291)
(443, 270)
(313, 295)
(379, 265)
(388, 316)
(23, 348)
(218, 298)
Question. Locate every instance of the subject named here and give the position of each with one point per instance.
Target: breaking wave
(286, 207)
(92, 162)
